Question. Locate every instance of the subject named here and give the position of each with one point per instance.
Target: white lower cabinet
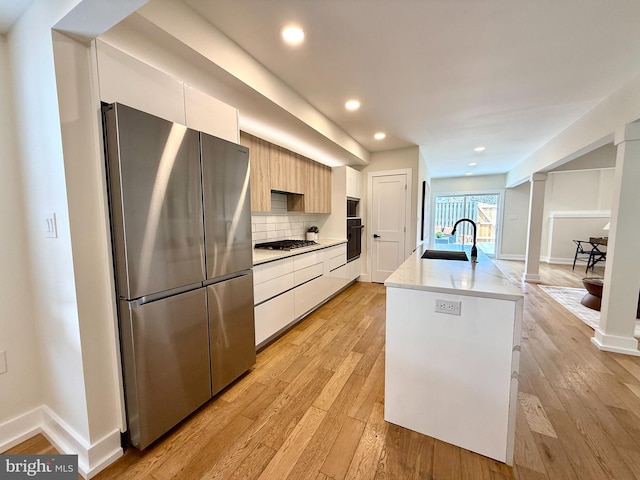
(287, 289)
(307, 296)
(273, 316)
(354, 269)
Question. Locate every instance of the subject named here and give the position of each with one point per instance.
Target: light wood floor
(313, 407)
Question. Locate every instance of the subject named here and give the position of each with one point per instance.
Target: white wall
(577, 206)
(472, 183)
(20, 386)
(515, 219)
(390, 160)
(90, 236)
(40, 145)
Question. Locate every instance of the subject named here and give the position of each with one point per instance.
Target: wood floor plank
(282, 463)
(446, 461)
(211, 450)
(366, 398)
(337, 461)
(523, 473)
(603, 450)
(365, 459)
(535, 415)
(334, 386)
(525, 449)
(555, 459)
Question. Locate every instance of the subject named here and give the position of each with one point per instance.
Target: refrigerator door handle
(138, 302)
(224, 278)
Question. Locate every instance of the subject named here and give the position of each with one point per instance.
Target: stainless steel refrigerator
(181, 235)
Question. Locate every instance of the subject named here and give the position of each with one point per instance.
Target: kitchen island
(453, 334)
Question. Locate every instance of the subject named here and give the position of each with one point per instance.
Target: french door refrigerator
(181, 235)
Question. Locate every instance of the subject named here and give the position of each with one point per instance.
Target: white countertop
(264, 256)
(481, 279)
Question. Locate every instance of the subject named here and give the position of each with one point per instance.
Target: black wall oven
(354, 238)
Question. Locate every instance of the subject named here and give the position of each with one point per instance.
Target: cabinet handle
(375, 235)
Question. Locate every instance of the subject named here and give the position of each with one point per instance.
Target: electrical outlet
(449, 307)
(3, 362)
(51, 226)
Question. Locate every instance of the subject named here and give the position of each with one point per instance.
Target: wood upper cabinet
(307, 183)
(317, 195)
(284, 169)
(259, 153)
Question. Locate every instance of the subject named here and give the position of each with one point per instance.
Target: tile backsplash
(279, 224)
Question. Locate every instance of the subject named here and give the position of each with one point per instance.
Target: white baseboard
(364, 277)
(20, 428)
(92, 458)
(508, 256)
(562, 261)
(614, 343)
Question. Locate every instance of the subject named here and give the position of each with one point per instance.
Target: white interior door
(388, 224)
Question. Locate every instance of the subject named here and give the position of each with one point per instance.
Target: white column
(622, 272)
(534, 231)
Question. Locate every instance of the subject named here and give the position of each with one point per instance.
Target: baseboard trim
(561, 261)
(508, 256)
(364, 277)
(531, 278)
(21, 428)
(92, 459)
(616, 344)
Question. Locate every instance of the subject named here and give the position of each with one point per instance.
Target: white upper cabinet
(354, 183)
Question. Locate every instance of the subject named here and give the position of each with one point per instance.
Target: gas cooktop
(285, 244)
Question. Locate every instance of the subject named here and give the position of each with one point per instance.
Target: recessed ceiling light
(292, 34)
(469, 173)
(379, 135)
(352, 105)
(473, 164)
(479, 149)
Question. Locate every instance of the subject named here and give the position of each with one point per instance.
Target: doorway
(389, 217)
(484, 209)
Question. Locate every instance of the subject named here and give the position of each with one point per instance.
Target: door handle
(375, 235)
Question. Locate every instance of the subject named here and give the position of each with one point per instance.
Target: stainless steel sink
(445, 255)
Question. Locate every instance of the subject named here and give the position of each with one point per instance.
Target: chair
(588, 251)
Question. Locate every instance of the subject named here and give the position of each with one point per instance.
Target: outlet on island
(3, 362)
(450, 307)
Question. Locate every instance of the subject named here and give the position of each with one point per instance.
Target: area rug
(570, 298)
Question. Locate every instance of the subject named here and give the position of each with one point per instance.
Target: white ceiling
(10, 11)
(447, 75)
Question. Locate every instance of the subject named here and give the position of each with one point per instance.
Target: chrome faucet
(474, 250)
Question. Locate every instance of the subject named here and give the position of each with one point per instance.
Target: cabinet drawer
(307, 259)
(268, 271)
(335, 251)
(336, 262)
(271, 288)
(306, 274)
(273, 316)
(307, 296)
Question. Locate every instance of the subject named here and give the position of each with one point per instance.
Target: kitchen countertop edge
(265, 256)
